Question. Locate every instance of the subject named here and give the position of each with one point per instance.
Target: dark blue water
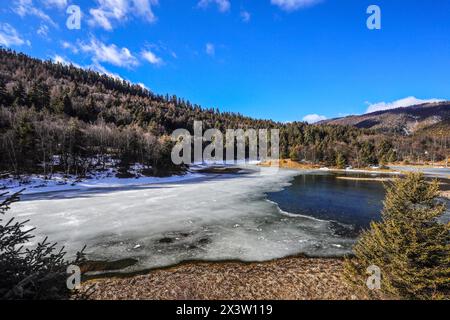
(324, 196)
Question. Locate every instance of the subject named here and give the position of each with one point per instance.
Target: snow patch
(102, 179)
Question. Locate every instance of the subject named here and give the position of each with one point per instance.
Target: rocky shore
(294, 278)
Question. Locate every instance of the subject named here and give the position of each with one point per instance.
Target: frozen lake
(217, 218)
(428, 171)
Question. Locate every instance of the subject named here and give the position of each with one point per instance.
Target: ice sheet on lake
(163, 224)
(437, 172)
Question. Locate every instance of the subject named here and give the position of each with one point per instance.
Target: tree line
(61, 118)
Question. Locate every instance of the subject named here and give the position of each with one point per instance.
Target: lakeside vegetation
(35, 273)
(410, 246)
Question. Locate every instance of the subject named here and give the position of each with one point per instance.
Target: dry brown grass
(290, 164)
(295, 278)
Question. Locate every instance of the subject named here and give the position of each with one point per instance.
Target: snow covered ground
(223, 217)
(437, 172)
(38, 184)
(34, 184)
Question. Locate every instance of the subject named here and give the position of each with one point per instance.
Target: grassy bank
(290, 164)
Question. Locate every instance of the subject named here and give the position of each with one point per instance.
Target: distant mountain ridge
(406, 120)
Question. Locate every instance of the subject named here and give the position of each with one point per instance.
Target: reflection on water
(325, 196)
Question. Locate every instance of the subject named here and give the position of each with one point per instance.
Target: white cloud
(10, 37)
(60, 4)
(292, 5)
(210, 49)
(69, 46)
(406, 102)
(223, 5)
(143, 8)
(26, 8)
(59, 59)
(151, 57)
(313, 118)
(245, 16)
(143, 86)
(97, 67)
(110, 11)
(120, 57)
(43, 30)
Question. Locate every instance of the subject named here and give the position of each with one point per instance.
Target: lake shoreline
(291, 278)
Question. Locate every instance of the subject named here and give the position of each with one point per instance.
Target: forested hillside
(56, 118)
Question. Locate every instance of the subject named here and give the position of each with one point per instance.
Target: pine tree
(294, 153)
(34, 273)
(340, 161)
(384, 148)
(4, 98)
(67, 106)
(410, 245)
(76, 147)
(19, 95)
(392, 156)
(39, 96)
(26, 138)
(367, 154)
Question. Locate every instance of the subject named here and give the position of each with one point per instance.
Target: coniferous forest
(58, 118)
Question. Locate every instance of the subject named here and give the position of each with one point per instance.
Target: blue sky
(277, 59)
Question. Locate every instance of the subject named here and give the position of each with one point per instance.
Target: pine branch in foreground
(36, 273)
(410, 245)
